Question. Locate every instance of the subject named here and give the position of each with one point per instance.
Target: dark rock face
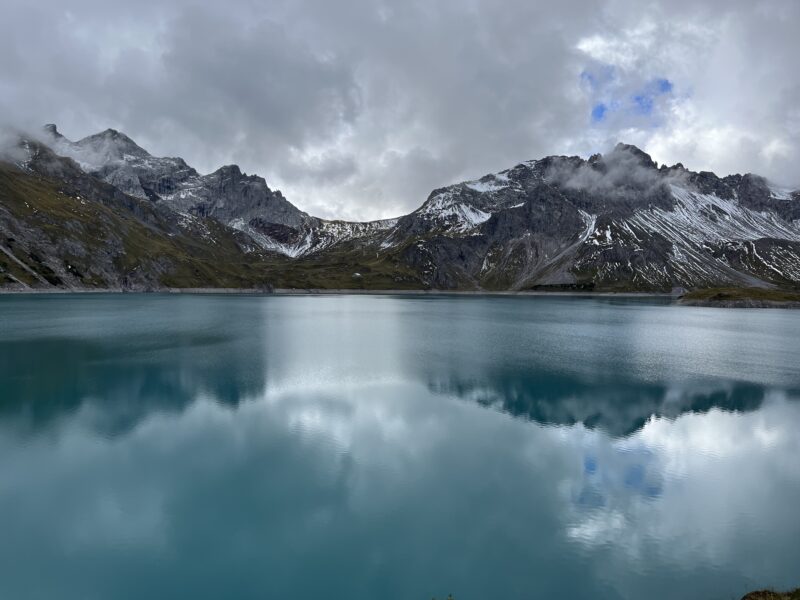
(754, 193)
(281, 233)
(62, 227)
(613, 222)
(230, 194)
(227, 194)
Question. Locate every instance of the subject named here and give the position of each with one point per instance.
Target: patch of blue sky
(606, 89)
(664, 85)
(599, 111)
(642, 103)
(599, 76)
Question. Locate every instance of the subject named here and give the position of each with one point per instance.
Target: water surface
(396, 447)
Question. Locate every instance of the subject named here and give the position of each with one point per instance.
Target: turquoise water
(396, 447)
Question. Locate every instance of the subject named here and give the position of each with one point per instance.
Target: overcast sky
(358, 109)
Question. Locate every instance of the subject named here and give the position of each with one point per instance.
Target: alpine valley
(102, 213)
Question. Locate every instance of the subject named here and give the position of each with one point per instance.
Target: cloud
(10, 150)
(355, 470)
(624, 174)
(359, 109)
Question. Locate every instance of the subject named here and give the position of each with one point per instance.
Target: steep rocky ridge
(60, 227)
(616, 222)
(241, 201)
(610, 222)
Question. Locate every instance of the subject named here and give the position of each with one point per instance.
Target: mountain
(62, 228)
(611, 222)
(240, 201)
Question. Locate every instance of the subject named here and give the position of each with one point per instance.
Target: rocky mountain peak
(613, 221)
(112, 144)
(643, 158)
(229, 172)
(675, 169)
(52, 130)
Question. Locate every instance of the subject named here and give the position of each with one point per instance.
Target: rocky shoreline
(741, 298)
(701, 298)
(773, 595)
(332, 292)
(130, 220)
(745, 303)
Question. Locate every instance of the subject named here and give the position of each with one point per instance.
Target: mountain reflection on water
(619, 410)
(395, 447)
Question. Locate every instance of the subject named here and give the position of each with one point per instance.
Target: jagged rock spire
(51, 129)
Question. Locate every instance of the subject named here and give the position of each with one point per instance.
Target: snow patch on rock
(447, 211)
(490, 183)
(780, 193)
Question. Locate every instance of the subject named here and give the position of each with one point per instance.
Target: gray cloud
(10, 148)
(357, 109)
(617, 175)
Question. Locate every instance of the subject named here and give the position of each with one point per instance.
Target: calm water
(396, 447)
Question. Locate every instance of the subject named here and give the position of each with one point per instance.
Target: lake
(365, 447)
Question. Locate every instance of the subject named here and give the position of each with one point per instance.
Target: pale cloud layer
(358, 109)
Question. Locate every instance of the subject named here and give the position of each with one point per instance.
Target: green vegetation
(101, 244)
(772, 595)
(759, 595)
(742, 294)
(83, 233)
(337, 269)
(109, 245)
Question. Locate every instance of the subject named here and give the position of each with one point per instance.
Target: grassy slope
(738, 294)
(336, 269)
(772, 595)
(59, 219)
(64, 240)
(759, 595)
(45, 217)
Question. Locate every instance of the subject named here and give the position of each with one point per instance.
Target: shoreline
(333, 292)
(739, 303)
(787, 304)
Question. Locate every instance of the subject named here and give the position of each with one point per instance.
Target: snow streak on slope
(315, 238)
(490, 183)
(591, 223)
(632, 229)
(702, 218)
(780, 193)
(330, 233)
(463, 207)
(266, 242)
(447, 211)
(705, 229)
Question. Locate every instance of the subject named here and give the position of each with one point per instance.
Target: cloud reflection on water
(265, 450)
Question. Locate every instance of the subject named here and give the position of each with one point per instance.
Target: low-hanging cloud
(12, 147)
(616, 174)
(357, 109)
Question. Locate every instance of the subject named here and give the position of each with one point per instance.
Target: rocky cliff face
(61, 227)
(243, 202)
(611, 222)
